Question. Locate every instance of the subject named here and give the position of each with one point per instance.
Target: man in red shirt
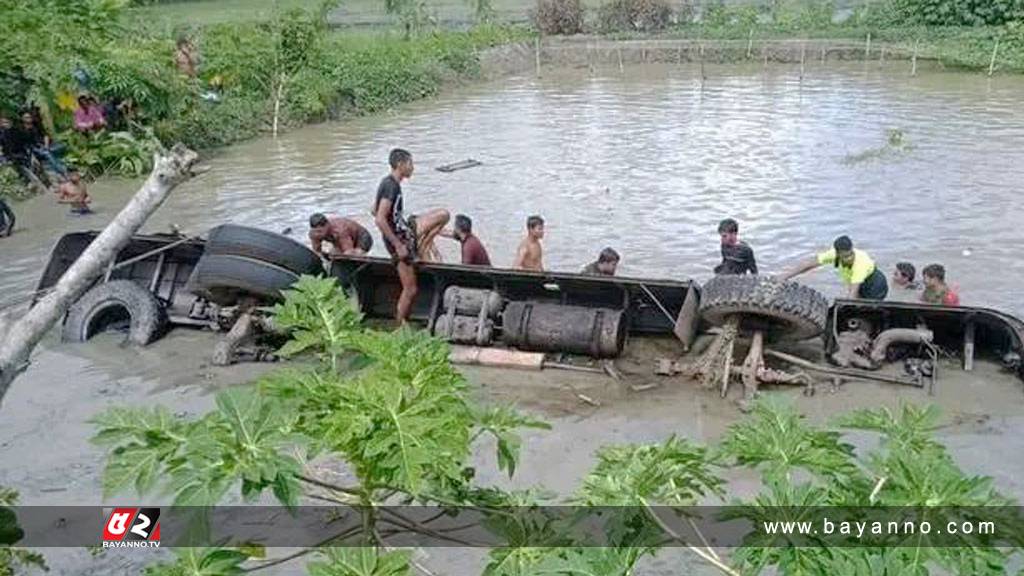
(936, 291)
(473, 251)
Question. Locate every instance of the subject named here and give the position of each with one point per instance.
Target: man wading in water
(855, 267)
(737, 256)
(406, 239)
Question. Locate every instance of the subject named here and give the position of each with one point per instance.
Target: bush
(954, 12)
(558, 16)
(718, 15)
(634, 15)
(12, 186)
(803, 14)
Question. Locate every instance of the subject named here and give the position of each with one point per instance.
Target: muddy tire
(225, 280)
(783, 310)
(112, 305)
(270, 247)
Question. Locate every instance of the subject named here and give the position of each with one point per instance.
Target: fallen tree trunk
(17, 339)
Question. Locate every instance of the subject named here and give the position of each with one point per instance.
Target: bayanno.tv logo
(132, 528)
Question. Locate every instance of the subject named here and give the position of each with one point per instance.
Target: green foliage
(502, 422)
(954, 12)
(777, 440)
(201, 562)
(402, 421)
(11, 557)
(11, 184)
(558, 16)
(908, 469)
(718, 14)
(802, 14)
(106, 152)
(242, 443)
(361, 562)
(634, 15)
(674, 472)
(318, 318)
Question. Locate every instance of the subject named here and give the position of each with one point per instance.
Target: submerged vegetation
(388, 410)
(895, 143)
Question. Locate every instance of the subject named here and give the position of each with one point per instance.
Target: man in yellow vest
(857, 270)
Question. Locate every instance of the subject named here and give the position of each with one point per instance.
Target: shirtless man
(72, 191)
(530, 255)
(405, 239)
(346, 237)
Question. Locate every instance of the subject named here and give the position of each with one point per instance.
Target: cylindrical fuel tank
(597, 332)
(469, 301)
(465, 330)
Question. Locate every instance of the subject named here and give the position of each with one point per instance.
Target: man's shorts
(364, 242)
(407, 234)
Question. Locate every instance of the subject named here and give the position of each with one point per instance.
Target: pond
(648, 161)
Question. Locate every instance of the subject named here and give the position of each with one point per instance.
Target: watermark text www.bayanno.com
(863, 528)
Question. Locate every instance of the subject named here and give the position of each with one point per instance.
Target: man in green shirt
(855, 267)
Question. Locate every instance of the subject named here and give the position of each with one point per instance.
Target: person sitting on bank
(89, 116)
(903, 276)
(405, 239)
(73, 191)
(854, 266)
(530, 254)
(737, 256)
(605, 265)
(936, 291)
(473, 251)
(346, 237)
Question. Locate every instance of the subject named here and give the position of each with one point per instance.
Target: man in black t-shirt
(406, 239)
(737, 256)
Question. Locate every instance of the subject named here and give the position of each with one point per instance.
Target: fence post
(867, 46)
(992, 63)
(913, 58)
(803, 59)
(750, 42)
(536, 53)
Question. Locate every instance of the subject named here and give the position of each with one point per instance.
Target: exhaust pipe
(898, 336)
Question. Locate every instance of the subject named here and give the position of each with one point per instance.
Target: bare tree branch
(19, 338)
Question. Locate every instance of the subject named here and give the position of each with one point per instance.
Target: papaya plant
(397, 419)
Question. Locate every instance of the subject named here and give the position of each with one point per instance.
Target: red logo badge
(132, 528)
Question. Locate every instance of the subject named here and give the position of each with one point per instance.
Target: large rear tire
(118, 304)
(782, 310)
(225, 280)
(257, 244)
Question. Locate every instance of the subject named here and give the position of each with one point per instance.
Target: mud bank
(584, 51)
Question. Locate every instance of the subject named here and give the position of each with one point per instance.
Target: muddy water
(648, 162)
(645, 161)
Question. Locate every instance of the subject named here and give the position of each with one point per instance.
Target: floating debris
(460, 165)
(895, 143)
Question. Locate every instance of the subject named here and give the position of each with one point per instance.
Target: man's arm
(316, 244)
(803, 267)
(854, 291)
(752, 262)
(381, 219)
